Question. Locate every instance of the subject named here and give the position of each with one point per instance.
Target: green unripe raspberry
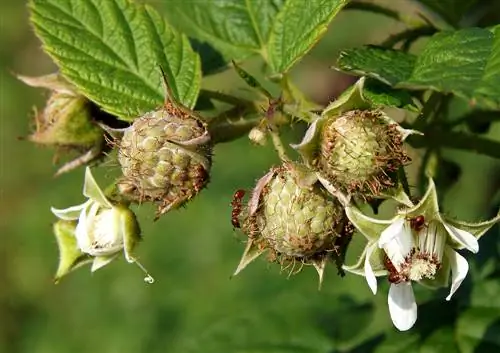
(294, 220)
(360, 151)
(165, 157)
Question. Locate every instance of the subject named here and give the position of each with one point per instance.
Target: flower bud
(165, 157)
(66, 122)
(257, 136)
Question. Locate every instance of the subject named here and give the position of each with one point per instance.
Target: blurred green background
(194, 306)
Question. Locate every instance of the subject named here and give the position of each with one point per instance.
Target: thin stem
(374, 8)
(226, 98)
(278, 145)
(408, 36)
(436, 138)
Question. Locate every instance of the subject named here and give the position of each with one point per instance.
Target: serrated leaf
(298, 26)
(464, 62)
(112, 51)
(236, 28)
(281, 31)
(381, 95)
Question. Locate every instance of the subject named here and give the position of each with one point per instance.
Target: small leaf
(464, 62)
(298, 26)
(112, 52)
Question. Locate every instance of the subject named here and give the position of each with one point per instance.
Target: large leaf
(281, 31)
(237, 28)
(112, 51)
(464, 62)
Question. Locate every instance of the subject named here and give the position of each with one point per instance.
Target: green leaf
(441, 340)
(281, 31)
(236, 28)
(112, 51)
(477, 327)
(465, 62)
(381, 95)
(298, 26)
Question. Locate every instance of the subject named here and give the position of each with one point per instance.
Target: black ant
(236, 205)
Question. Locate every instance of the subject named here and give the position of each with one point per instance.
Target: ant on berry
(236, 205)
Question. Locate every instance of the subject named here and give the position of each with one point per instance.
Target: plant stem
(278, 145)
(436, 138)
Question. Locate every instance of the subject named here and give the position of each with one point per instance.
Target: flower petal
(71, 213)
(402, 306)
(82, 234)
(391, 232)
(397, 242)
(92, 190)
(459, 269)
(370, 276)
(464, 238)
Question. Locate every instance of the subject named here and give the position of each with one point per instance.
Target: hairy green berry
(294, 219)
(165, 157)
(360, 152)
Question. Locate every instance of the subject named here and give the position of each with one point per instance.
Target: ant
(394, 276)
(417, 223)
(236, 205)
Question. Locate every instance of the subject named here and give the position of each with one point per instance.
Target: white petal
(70, 213)
(462, 237)
(370, 276)
(402, 306)
(92, 190)
(397, 242)
(81, 232)
(459, 269)
(391, 232)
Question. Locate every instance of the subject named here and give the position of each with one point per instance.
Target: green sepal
(370, 227)
(309, 145)
(351, 99)
(131, 231)
(252, 251)
(477, 229)
(376, 261)
(101, 261)
(92, 190)
(70, 256)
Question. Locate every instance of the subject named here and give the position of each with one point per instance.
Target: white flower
(102, 231)
(417, 245)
